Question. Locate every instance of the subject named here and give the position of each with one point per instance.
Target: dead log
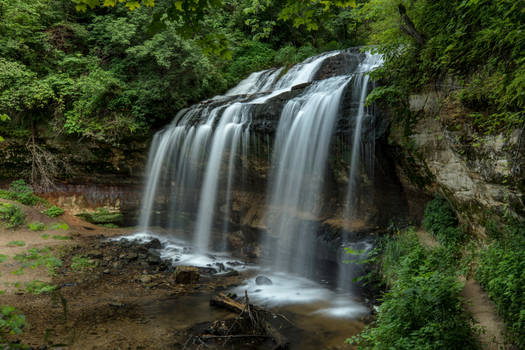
(221, 300)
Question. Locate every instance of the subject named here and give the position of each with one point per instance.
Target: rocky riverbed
(120, 294)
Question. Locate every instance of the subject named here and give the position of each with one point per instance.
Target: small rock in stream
(263, 281)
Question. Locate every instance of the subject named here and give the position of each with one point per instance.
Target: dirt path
(477, 303)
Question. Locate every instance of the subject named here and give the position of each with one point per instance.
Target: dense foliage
(106, 74)
(440, 220)
(501, 271)
(422, 309)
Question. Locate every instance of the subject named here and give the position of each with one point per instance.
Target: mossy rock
(102, 217)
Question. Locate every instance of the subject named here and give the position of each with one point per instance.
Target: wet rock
(207, 270)
(221, 267)
(154, 260)
(186, 274)
(236, 240)
(116, 304)
(117, 265)
(252, 251)
(154, 244)
(95, 254)
(263, 281)
(132, 256)
(106, 271)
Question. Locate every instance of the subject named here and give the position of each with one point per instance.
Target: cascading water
(210, 134)
(300, 156)
(360, 92)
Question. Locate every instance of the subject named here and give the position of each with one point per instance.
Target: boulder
(186, 274)
(154, 244)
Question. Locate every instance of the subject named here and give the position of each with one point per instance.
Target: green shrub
(21, 192)
(11, 322)
(102, 216)
(53, 211)
(37, 226)
(80, 263)
(39, 287)
(501, 272)
(60, 226)
(12, 215)
(442, 222)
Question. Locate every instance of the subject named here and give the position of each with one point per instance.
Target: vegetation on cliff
(422, 307)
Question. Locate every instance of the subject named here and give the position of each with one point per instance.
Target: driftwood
(249, 315)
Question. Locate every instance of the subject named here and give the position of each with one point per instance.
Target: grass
(35, 257)
(60, 226)
(16, 244)
(62, 238)
(81, 263)
(39, 287)
(37, 226)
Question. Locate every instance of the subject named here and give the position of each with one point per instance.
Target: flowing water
(196, 162)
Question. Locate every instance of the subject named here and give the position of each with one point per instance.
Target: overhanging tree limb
(408, 26)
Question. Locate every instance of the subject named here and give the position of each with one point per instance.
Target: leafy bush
(80, 263)
(441, 221)
(102, 216)
(60, 226)
(53, 211)
(12, 215)
(21, 192)
(37, 226)
(500, 271)
(39, 287)
(422, 309)
(11, 322)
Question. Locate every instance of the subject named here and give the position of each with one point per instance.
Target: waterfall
(197, 156)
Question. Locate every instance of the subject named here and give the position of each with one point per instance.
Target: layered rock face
(483, 176)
